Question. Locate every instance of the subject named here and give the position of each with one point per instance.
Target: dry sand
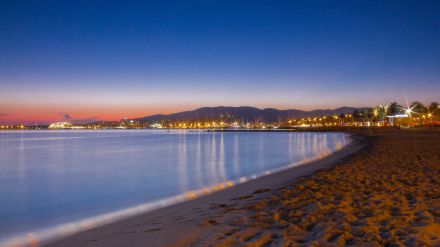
(387, 193)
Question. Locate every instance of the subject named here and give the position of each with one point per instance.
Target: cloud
(66, 116)
(6, 114)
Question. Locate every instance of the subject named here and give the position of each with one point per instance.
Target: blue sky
(109, 59)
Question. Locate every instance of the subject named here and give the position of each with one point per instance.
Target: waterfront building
(61, 125)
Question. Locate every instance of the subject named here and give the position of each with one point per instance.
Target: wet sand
(381, 190)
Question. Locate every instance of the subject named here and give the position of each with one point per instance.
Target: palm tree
(393, 109)
(417, 107)
(433, 108)
(362, 115)
(370, 114)
(355, 114)
(380, 112)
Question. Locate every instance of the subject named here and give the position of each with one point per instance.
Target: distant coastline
(389, 115)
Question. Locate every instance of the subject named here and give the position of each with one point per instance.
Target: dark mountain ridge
(245, 113)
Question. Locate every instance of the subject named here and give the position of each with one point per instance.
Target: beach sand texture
(388, 193)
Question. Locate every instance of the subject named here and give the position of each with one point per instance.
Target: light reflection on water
(48, 178)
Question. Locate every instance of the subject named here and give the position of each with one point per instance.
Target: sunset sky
(83, 60)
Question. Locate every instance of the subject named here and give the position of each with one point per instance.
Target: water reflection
(198, 162)
(182, 162)
(236, 156)
(221, 159)
(93, 177)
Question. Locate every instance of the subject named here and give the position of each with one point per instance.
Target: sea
(58, 182)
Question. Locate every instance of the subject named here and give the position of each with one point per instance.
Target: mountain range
(246, 114)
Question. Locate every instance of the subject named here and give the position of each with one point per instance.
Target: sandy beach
(383, 189)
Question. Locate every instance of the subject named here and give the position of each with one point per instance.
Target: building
(401, 120)
(61, 125)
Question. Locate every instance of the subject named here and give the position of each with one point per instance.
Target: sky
(82, 61)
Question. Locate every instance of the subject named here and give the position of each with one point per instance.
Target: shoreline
(184, 218)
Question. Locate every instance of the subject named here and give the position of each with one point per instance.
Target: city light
(379, 116)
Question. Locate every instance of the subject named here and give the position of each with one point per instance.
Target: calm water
(52, 177)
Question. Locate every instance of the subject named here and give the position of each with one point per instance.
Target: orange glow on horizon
(47, 114)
